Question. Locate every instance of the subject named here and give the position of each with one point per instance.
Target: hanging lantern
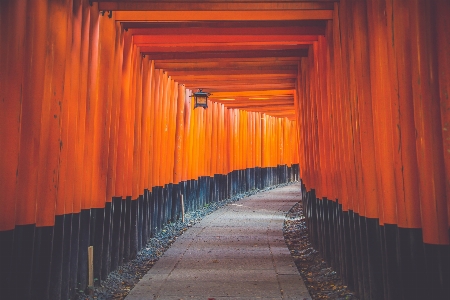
(201, 99)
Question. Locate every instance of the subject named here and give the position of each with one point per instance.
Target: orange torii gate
(99, 139)
(102, 145)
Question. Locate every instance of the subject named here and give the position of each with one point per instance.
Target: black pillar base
(42, 262)
(57, 258)
(107, 234)
(22, 261)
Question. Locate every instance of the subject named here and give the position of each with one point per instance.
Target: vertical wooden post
(182, 208)
(407, 173)
(382, 110)
(91, 266)
(30, 119)
(363, 93)
(443, 43)
(187, 127)
(13, 15)
(428, 124)
(179, 135)
(429, 145)
(120, 189)
(151, 124)
(164, 128)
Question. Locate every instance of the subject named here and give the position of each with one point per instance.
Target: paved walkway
(237, 252)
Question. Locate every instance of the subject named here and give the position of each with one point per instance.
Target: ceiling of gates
(245, 53)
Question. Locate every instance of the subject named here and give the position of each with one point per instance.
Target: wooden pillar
(430, 145)
(186, 139)
(30, 117)
(136, 99)
(427, 120)
(115, 113)
(179, 135)
(121, 173)
(443, 42)
(147, 75)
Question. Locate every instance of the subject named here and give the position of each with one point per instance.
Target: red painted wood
(443, 42)
(241, 29)
(31, 112)
(427, 121)
(13, 21)
(406, 168)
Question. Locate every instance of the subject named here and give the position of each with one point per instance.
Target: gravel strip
(322, 281)
(119, 283)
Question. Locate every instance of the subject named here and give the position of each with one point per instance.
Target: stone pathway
(237, 252)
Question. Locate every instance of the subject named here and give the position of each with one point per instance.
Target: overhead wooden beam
(206, 1)
(249, 98)
(190, 76)
(245, 82)
(214, 47)
(223, 15)
(279, 105)
(273, 112)
(223, 83)
(314, 29)
(235, 103)
(273, 109)
(226, 56)
(211, 6)
(250, 102)
(234, 71)
(246, 54)
(201, 65)
(213, 90)
(253, 93)
(237, 38)
(275, 105)
(262, 68)
(223, 45)
(222, 87)
(226, 25)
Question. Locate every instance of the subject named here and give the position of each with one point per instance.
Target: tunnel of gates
(97, 147)
(373, 113)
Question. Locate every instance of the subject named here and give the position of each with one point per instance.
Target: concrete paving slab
(293, 288)
(236, 231)
(285, 267)
(229, 254)
(237, 252)
(233, 240)
(222, 275)
(220, 288)
(221, 263)
(218, 298)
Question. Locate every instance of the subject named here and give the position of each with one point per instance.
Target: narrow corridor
(237, 252)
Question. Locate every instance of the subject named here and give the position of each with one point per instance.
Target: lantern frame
(201, 99)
